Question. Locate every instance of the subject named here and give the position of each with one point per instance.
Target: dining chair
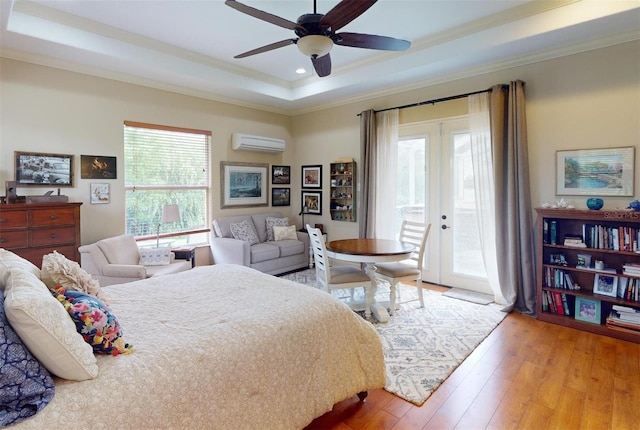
(412, 233)
(336, 277)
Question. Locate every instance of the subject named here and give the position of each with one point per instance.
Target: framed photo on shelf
(99, 194)
(313, 201)
(606, 285)
(595, 172)
(312, 176)
(280, 196)
(97, 167)
(41, 170)
(280, 174)
(243, 184)
(588, 310)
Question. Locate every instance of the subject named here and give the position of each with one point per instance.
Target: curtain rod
(428, 102)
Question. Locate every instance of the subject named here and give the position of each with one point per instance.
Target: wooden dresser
(32, 230)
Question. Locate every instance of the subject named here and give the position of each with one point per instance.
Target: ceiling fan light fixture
(315, 45)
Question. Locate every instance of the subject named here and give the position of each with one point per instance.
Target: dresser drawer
(35, 255)
(14, 239)
(58, 216)
(53, 236)
(13, 219)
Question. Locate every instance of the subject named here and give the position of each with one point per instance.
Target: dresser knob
(53, 217)
(53, 235)
(3, 220)
(3, 240)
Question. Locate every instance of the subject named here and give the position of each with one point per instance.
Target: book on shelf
(553, 232)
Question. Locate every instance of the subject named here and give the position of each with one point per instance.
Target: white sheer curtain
(386, 165)
(481, 154)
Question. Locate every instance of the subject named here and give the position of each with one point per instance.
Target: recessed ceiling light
(301, 71)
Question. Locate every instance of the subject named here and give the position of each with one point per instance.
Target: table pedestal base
(380, 312)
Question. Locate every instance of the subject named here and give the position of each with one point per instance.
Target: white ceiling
(187, 46)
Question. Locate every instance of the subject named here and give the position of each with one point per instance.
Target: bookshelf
(342, 199)
(586, 268)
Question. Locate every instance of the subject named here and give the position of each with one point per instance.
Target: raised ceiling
(188, 46)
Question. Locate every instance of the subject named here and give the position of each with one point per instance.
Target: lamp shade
(170, 213)
(314, 45)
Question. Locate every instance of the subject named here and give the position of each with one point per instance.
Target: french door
(435, 184)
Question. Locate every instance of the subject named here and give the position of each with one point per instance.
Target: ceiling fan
(317, 32)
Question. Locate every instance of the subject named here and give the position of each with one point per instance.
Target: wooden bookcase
(553, 226)
(342, 199)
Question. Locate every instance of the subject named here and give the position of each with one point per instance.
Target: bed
(221, 346)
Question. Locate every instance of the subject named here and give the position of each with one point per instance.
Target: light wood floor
(527, 374)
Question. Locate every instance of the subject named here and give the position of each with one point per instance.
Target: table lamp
(170, 213)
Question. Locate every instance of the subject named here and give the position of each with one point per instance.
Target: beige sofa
(269, 256)
(116, 260)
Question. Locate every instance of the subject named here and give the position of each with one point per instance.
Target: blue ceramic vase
(595, 203)
(635, 205)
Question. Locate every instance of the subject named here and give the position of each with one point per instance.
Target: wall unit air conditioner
(246, 142)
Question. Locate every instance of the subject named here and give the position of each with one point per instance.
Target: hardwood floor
(527, 374)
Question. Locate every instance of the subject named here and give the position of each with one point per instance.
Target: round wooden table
(370, 252)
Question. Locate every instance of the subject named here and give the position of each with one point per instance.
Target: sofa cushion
(284, 233)
(222, 226)
(260, 223)
(291, 247)
(263, 252)
(275, 222)
(245, 232)
(120, 249)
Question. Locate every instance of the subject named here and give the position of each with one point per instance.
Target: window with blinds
(166, 166)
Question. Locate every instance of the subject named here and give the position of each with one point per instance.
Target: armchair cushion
(120, 249)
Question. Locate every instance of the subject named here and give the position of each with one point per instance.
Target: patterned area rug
(423, 346)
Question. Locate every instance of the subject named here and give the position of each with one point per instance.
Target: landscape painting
(598, 172)
(243, 184)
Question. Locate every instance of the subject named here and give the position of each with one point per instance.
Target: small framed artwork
(243, 184)
(595, 172)
(312, 176)
(97, 167)
(313, 201)
(280, 175)
(39, 169)
(280, 196)
(587, 310)
(606, 285)
(99, 194)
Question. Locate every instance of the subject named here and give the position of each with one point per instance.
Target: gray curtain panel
(368, 159)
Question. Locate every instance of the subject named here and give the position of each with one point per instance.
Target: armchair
(115, 260)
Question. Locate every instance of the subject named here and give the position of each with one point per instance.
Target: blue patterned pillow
(25, 385)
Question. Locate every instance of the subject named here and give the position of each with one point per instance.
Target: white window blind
(166, 165)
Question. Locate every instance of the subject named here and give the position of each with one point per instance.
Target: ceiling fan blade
(345, 12)
(371, 41)
(256, 13)
(322, 65)
(266, 48)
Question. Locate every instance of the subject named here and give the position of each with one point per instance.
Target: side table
(186, 253)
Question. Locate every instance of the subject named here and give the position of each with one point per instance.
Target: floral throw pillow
(275, 222)
(94, 321)
(245, 232)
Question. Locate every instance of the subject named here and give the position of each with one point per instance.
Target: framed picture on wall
(313, 202)
(595, 172)
(280, 174)
(41, 169)
(312, 176)
(280, 196)
(99, 194)
(243, 184)
(97, 167)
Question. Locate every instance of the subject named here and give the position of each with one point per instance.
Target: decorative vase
(595, 203)
(635, 205)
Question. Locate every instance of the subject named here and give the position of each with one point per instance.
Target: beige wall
(589, 100)
(53, 111)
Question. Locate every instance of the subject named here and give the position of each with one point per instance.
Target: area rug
(469, 296)
(423, 346)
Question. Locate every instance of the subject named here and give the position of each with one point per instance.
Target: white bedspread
(222, 347)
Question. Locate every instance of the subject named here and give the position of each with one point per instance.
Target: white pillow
(245, 232)
(58, 270)
(10, 260)
(46, 328)
(285, 233)
(273, 221)
(155, 256)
